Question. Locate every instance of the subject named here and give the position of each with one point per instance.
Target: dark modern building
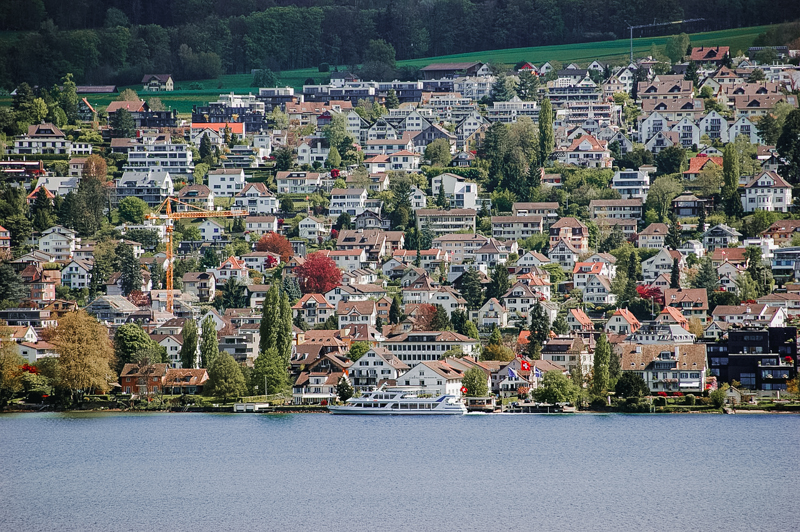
(761, 359)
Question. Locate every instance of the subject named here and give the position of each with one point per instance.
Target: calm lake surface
(218, 472)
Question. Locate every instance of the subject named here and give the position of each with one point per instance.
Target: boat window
(413, 406)
(395, 406)
(404, 406)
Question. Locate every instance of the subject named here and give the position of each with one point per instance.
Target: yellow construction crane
(169, 215)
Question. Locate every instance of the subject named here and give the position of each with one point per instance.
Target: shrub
(660, 401)
(690, 400)
(599, 402)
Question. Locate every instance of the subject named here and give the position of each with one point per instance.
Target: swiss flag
(463, 389)
(526, 366)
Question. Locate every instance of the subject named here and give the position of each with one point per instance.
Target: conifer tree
(471, 289)
(673, 239)
(707, 277)
(284, 332)
(396, 310)
(675, 275)
(130, 270)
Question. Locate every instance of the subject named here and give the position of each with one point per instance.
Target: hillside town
(589, 233)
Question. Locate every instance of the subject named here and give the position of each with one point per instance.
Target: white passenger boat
(400, 403)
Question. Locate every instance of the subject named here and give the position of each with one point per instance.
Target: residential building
(313, 309)
(151, 186)
(202, 285)
(415, 347)
(516, 227)
(653, 236)
(113, 310)
(583, 270)
(667, 368)
(460, 193)
(376, 366)
(211, 230)
(77, 274)
(720, 236)
(692, 302)
(767, 192)
(226, 182)
(351, 201)
(261, 224)
(598, 291)
(760, 359)
(569, 352)
(586, 151)
(631, 184)
(622, 208)
(199, 196)
(175, 159)
(231, 268)
(254, 198)
(622, 322)
(59, 242)
(688, 205)
(572, 231)
(759, 315)
(442, 222)
(298, 182)
(579, 321)
(565, 254)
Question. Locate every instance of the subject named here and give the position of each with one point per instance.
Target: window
(747, 379)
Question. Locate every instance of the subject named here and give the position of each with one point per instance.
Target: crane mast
(169, 216)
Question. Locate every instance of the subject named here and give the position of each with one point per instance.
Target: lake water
(218, 472)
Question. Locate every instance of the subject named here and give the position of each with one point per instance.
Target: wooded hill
(116, 41)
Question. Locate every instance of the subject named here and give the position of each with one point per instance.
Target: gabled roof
(581, 317)
(777, 181)
(655, 229)
(695, 296)
(131, 106)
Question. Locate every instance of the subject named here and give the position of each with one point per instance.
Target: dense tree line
(104, 41)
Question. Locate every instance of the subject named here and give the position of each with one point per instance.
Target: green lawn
(183, 99)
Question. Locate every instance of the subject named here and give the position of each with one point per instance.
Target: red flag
(346, 372)
(526, 365)
(463, 389)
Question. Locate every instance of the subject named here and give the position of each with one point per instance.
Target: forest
(116, 41)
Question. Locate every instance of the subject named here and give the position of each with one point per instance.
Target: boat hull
(344, 410)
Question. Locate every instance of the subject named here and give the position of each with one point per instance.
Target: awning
(695, 384)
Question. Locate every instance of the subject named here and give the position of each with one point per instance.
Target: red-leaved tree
(318, 274)
(276, 244)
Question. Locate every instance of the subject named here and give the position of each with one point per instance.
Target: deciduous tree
(209, 343)
(225, 378)
(631, 385)
(188, 351)
(277, 244)
(318, 274)
(602, 356)
(86, 356)
(555, 387)
(132, 209)
(475, 381)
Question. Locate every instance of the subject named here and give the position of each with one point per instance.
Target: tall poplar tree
(602, 357)
(730, 174)
(546, 136)
(188, 352)
(209, 343)
(284, 331)
(269, 319)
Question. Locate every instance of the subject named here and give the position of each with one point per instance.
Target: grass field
(739, 39)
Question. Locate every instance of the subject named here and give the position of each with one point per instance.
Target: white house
(418, 346)
(77, 274)
(631, 184)
(375, 366)
(598, 291)
(232, 268)
(491, 314)
(59, 242)
(356, 313)
(298, 182)
(461, 194)
(347, 200)
(661, 264)
(348, 259)
(226, 182)
(767, 192)
(261, 224)
(433, 377)
(211, 230)
(256, 199)
(653, 236)
(312, 228)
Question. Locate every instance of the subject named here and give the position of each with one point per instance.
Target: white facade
(631, 184)
(351, 201)
(173, 158)
(767, 192)
(211, 231)
(226, 182)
